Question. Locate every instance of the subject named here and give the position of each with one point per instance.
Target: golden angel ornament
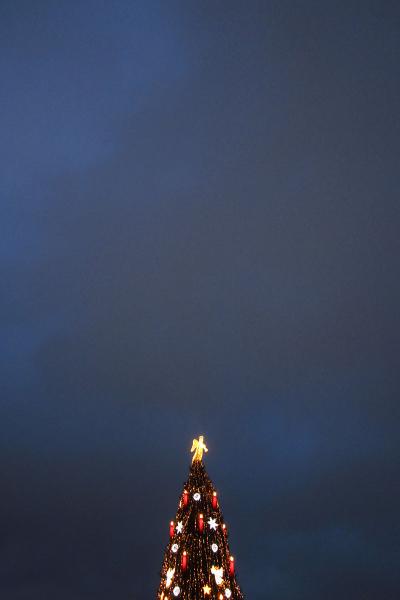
(198, 447)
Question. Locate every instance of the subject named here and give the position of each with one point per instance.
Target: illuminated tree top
(197, 561)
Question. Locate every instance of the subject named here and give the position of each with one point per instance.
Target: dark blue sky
(200, 234)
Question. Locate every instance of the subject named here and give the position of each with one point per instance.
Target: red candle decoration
(201, 523)
(214, 500)
(185, 497)
(224, 529)
(171, 529)
(231, 566)
(184, 561)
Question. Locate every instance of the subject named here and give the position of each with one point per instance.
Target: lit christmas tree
(197, 562)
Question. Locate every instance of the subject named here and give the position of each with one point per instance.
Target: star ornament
(212, 523)
(207, 590)
(170, 576)
(179, 527)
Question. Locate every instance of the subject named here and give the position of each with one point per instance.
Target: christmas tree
(197, 562)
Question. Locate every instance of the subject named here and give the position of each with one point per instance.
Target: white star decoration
(179, 527)
(170, 576)
(212, 523)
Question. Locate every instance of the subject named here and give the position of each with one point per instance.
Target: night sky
(199, 230)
